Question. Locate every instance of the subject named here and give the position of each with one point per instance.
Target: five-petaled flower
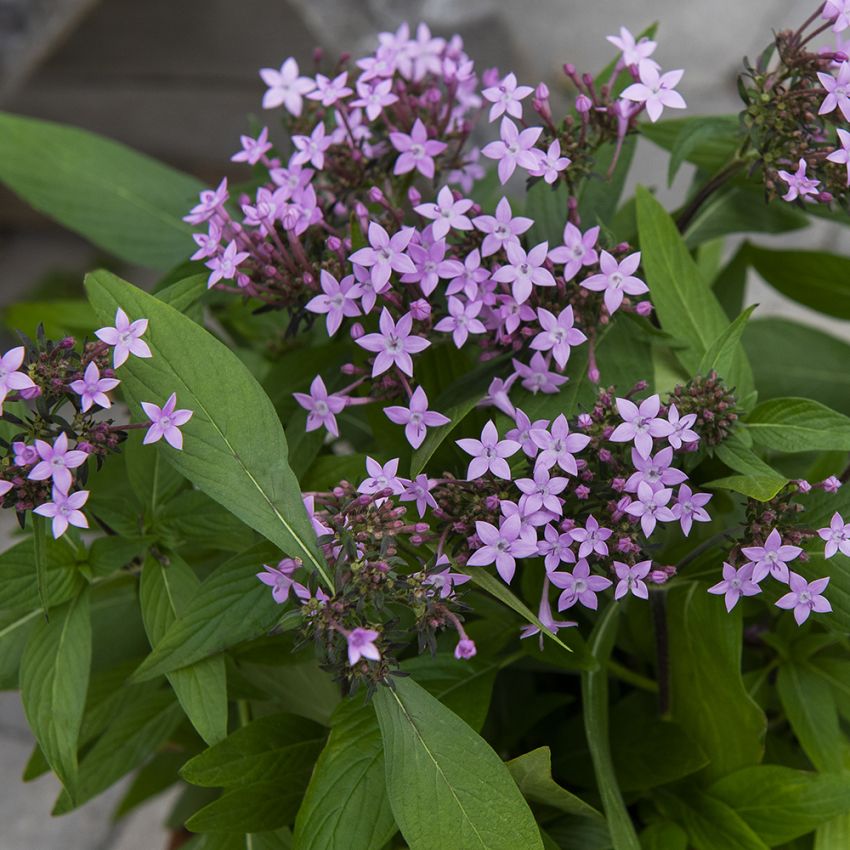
(416, 417)
(578, 586)
(361, 644)
(447, 213)
(837, 536)
(166, 422)
(321, 406)
(655, 90)
(640, 424)
(338, 299)
(616, 279)
(771, 558)
(514, 149)
(735, 584)
(805, 597)
(57, 461)
(64, 510)
(11, 378)
(557, 334)
(125, 337)
(503, 545)
(286, 87)
(394, 344)
(489, 453)
(92, 389)
(416, 150)
(506, 97)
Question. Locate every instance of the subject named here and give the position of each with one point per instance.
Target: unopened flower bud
(582, 492)
(420, 309)
(643, 308)
(490, 78)
(465, 648)
(584, 420)
(376, 196)
(831, 484)
(414, 196)
(357, 330)
(334, 243)
(583, 104)
(30, 393)
(803, 486)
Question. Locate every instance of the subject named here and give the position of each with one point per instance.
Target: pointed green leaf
(798, 425)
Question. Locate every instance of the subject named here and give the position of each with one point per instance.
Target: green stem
(687, 215)
(624, 674)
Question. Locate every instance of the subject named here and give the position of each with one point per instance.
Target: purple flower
(166, 422)
(631, 579)
(419, 490)
(431, 265)
(831, 484)
(514, 149)
(382, 477)
(551, 163)
(394, 344)
(837, 536)
(212, 201)
(591, 538)
(771, 558)
(374, 98)
(506, 97)
(462, 320)
(328, 90)
(536, 376)
(385, 254)
(125, 337)
(633, 51)
(682, 428)
(56, 462)
(417, 150)
(577, 251)
(447, 213)
(841, 154)
(655, 90)
(312, 148)
(616, 279)
(286, 87)
(64, 510)
(223, 267)
(544, 614)
(10, 376)
(541, 492)
(489, 453)
(524, 270)
(799, 186)
(838, 91)
(555, 548)
(735, 584)
(279, 579)
(416, 418)
(522, 432)
(578, 586)
(361, 644)
(321, 406)
(92, 388)
(502, 229)
(503, 545)
(557, 445)
(253, 150)
(557, 334)
(24, 455)
(498, 395)
(445, 581)
(338, 299)
(465, 649)
(690, 507)
(208, 243)
(837, 11)
(655, 471)
(805, 597)
(640, 424)
(651, 507)
(469, 278)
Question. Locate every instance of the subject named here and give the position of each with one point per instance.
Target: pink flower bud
(585, 420)
(658, 576)
(643, 308)
(542, 91)
(420, 309)
(376, 196)
(465, 649)
(582, 492)
(334, 243)
(30, 393)
(605, 456)
(414, 196)
(803, 486)
(583, 104)
(357, 330)
(831, 485)
(490, 77)
(593, 374)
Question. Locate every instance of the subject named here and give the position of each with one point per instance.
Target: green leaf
(60, 317)
(234, 446)
(685, 305)
(447, 787)
(229, 607)
(252, 808)
(816, 279)
(757, 480)
(120, 200)
(159, 774)
(663, 835)
(711, 152)
(726, 358)
(834, 834)
(599, 195)
(729, 285)
(19, 591)
(277, 747)
(798, 425)
(693, 137)
(151, 477)
(54, 679)
(594, 690)
(110, 554)
(532, 772)
(547, 206)
(780, 803)
(39, 553)
(15, 630)
(201, 688)
(707, 694)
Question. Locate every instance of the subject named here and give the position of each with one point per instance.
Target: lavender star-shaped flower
(591, 538)
(431, 265)
(555, 547)
(361, 644)
(373, 98)
(640, 424)
(655, 90)
(125, 337)
(524, 270)
(654, 470)
(166, 422)
(578, 586)
(11, 378)
(682, 428)
(462, 320)
(253, 150)
(805, 597)
(550, 164)
(836, 535)
(489, 453)
(223, 266)
(447, 213)
(385, 254)
(577, 250)
(631, 579)
(311, 148)
(338, 300)
(558, 446)
(279, 579)
(286, 87)
(633, 51)
(771, 558)
(57, 462)
(536, 376)
(544, 614)
(837, 91)
(394, 344)
(416, 417)
(321, 406)
(689, 507)
(651, 507)
(841, 154)
(557, 334)
(382, 477)
(541, 492)
(92, 389)
(514, 149)
(416, 150)
(64, 510)
(735, 584)
(616, 279)
(502, 546)
(419, 491)
(522, 432)
(799, 186)
(506, 97)
(501, 229)
(445, 581)
(328, 91)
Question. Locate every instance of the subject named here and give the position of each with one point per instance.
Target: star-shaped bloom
(503, 545)
(338, 300)
(447, 213)
(489, 453)
(506, 97)
(328, 91)
(279, 579)
(57, 462)
(633, 51)
(654, 470)
(514, 149)
(64, 510)
(416, 150)
(541, 492)
(690, 507)
(799, 186)
(640, 424)
(501, 229)
(253, 150)
(591, 538)
(166, 422)
(212, 202)
(524, 270)
(469, 278)
(373, 98)
(837, 11)
(322, 407)
(498, 395)
(837, 536)
(536, 376)
(838, 91)
(578, 586)
(208, 243)
(550, 164)
(416, 418)
(431, 265)
(771, 558)
(576, 251)
(655, 89)
(462, 320)
(631, 579)
(385, 254)
(382, 477)
(805, 597)
(361, 644)
(312, 148)
(522, 432)
(11, 378)
(125, 337)
(286, 87)
(841, 154)
(616, 279)
(651, 507)
(682, 426)
(394, 344)
(558, 446)
(544, 614)
(224, 266)
(24, 455)
(445, 581)
(557, 334)
(735, 584)
(555, 548)
(419, 491)
(92, 389)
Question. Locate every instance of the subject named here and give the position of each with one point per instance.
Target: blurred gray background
(177, 79)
